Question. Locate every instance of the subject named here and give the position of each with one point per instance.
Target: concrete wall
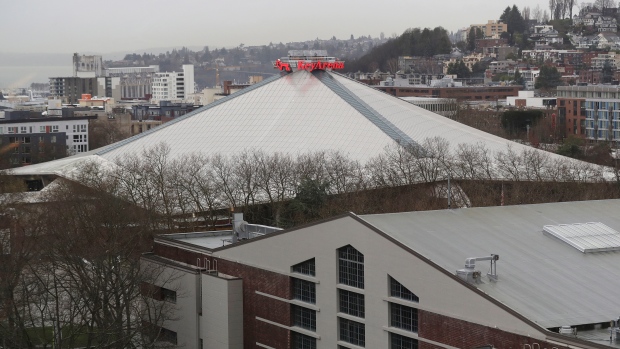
(181, 316)
(221, 325)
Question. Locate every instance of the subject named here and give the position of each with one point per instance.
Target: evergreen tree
(518, 78)
(548, 78)
(460, 69)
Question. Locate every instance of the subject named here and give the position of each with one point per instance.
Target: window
(399, 291)
(351, 303)
(53, 139)
(306, 268)
(401, 342)
(41, 129)
(23, 129)
(165, 335)
(55, 128)
(304, 317)
(26, 140)
(1, 130)
(350, 267)
(13, 140)
(80, 148)
(301, 341)
(79, 128)
(304, 291)
(12, 130)
(168, 295)
(404, 317)
(352, 332)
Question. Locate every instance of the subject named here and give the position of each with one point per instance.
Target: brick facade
(463, 334)
(470, 93)
(254, 305)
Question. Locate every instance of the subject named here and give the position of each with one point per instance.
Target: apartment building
(70, 89)
(492, 29)
(173, 86)
(70, 131)
(597, 109)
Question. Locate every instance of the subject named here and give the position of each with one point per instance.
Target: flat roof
(210, 240)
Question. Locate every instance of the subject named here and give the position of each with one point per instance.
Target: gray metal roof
(541, 277)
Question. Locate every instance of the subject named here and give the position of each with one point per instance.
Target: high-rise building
(129, 82)
(87, 66)
(174, 86)
(71, 89)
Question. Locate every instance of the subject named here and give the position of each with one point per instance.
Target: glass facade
(350, 267)
(303, 317)
(304, 291)
(401, 342)
(404, 317)
(352, 332)
(399, 291)
(301, 341)
(306, 268)
(351, 303)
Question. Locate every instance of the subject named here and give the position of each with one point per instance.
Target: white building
(527, 99)
(174, 86)
(529, 77)
(524, 276)
(75, 130)
(128, 82)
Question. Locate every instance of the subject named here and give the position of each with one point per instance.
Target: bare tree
(392, 65)
(537, 14)
(553, 4)
(570, 4)
(603, 4)
(525, 13)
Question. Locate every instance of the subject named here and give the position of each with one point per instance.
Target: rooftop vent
(470, 274)
(586, 237)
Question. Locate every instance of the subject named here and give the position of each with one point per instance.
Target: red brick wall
(463, 334)
(254, 305)
(254, 279)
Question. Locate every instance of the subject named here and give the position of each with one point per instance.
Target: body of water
(23, 76)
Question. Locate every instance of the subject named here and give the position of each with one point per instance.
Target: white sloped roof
(296, 113)
(543, 278)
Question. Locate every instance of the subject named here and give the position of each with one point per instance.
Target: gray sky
(66, 26)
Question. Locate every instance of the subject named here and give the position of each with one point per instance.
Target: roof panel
(586, 237)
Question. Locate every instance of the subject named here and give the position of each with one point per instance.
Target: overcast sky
(67, 26)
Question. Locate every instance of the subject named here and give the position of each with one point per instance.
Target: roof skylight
(586, 237)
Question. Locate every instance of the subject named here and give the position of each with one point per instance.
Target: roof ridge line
(213, 104)
(366, 110)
